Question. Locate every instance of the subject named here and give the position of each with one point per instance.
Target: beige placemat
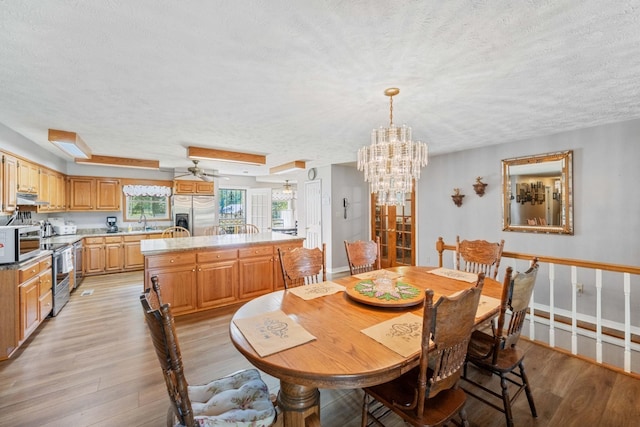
(272, 332)
(402, 334)
(377, 273)
(455, 274)
(486, 304)
(316, 290)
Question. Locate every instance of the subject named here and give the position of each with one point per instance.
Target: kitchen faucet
(143, 220)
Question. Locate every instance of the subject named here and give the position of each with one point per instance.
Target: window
(233, 208)
(150, 200)
(155, 208)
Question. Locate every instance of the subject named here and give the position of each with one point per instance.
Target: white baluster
(552, 332)
(574, 323)
(599, 316)
(627, 322)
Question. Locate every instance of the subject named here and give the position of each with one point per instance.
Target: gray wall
(606, 211)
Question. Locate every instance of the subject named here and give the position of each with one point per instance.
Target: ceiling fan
(198, 172)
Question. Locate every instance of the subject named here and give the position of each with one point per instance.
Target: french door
(394, 226)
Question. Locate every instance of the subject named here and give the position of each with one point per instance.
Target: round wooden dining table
(341, 356)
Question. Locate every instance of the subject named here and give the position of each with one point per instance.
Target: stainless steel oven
(62, 270)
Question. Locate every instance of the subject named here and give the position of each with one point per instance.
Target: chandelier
(393, 161)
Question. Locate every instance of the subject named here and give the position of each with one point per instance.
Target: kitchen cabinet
(113, 254)
(256, 271)
(26, 301)
(28, 177)
(217, 280)
(94, 194)
(52, 190)
(177, 279)
(94, 259)
(9, 183)
(193, 187)
(133, 259)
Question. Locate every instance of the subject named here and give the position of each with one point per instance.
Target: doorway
(395, 227)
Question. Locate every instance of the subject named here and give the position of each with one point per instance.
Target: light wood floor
(94, 365)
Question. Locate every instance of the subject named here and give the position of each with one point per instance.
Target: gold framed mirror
(537, 193)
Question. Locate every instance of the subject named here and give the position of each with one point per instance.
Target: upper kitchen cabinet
(193, 187)
(9, 183)
(52, 190)
(28, 177)
(94, 194)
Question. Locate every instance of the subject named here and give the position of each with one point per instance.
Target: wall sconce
(457, 197)
(479, 186)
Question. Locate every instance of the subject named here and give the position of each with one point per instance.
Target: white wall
(605, 179)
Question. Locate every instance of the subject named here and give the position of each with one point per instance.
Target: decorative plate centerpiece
(385, 292)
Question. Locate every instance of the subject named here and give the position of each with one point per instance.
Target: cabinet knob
(172, 260)
(193, 269)
(199, 269)
(218, 256)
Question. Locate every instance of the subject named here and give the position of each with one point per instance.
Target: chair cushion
(240, 399)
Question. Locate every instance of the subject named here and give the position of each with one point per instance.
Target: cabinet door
(185, 187)
(256, 276)
(108, 194)
(217, 283)
(10, 175)
(113, 257)
(82, 194)
(94, 259)
(34, 178)
(204, 188)
(29, 312)
(62, 192)
(23, 177)
(133, 259)
(45, 295)
(45, 191)
(177, 287)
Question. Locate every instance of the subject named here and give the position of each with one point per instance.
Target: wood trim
(123, 162)
(288, 167)
(71, 137)
(136, 181)
(225, 156)
(441, 247)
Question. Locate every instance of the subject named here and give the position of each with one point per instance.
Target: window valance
(146, 190)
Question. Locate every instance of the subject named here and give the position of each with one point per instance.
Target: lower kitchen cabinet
(221, 276)
(26, 301)
(217, 278)
(114, 254)
(177, 279)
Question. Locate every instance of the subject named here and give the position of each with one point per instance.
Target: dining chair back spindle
(479, 256)
(428, 395)
(175, 231)
(214, 230)
(303, 266)
(241, 398)
(496, 353)
(363, 255)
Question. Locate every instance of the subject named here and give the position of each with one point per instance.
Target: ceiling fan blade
(214, 175)
(204, 178)
(186, 174)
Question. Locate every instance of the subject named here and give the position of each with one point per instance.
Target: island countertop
(224, 241)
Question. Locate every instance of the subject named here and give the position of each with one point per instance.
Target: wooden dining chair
(303, 266)
(479, 256)
(428, 395)
(214, 230)
(496, 353)
(246, 229)
(241, 398)
(363, 255)
(175, 231)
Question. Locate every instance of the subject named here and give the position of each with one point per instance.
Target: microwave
(18, 243)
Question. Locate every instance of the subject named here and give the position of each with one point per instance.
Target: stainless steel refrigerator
(194, 213)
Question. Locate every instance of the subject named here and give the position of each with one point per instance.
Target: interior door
(313, 213)
(394, 226)
(259, 208)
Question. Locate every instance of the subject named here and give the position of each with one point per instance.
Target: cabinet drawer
(255, 251)
(288, 247)
(134, 238)
(113, 239)
(215, 256)
(159, 261)
(45, 264)
(93, 240)
(28, 271)
(45, 304)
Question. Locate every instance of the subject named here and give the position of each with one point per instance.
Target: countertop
(72, 238)
(160, 246)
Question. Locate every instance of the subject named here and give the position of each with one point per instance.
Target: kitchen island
(205, 272)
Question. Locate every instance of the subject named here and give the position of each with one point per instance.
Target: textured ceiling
(305, 80)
